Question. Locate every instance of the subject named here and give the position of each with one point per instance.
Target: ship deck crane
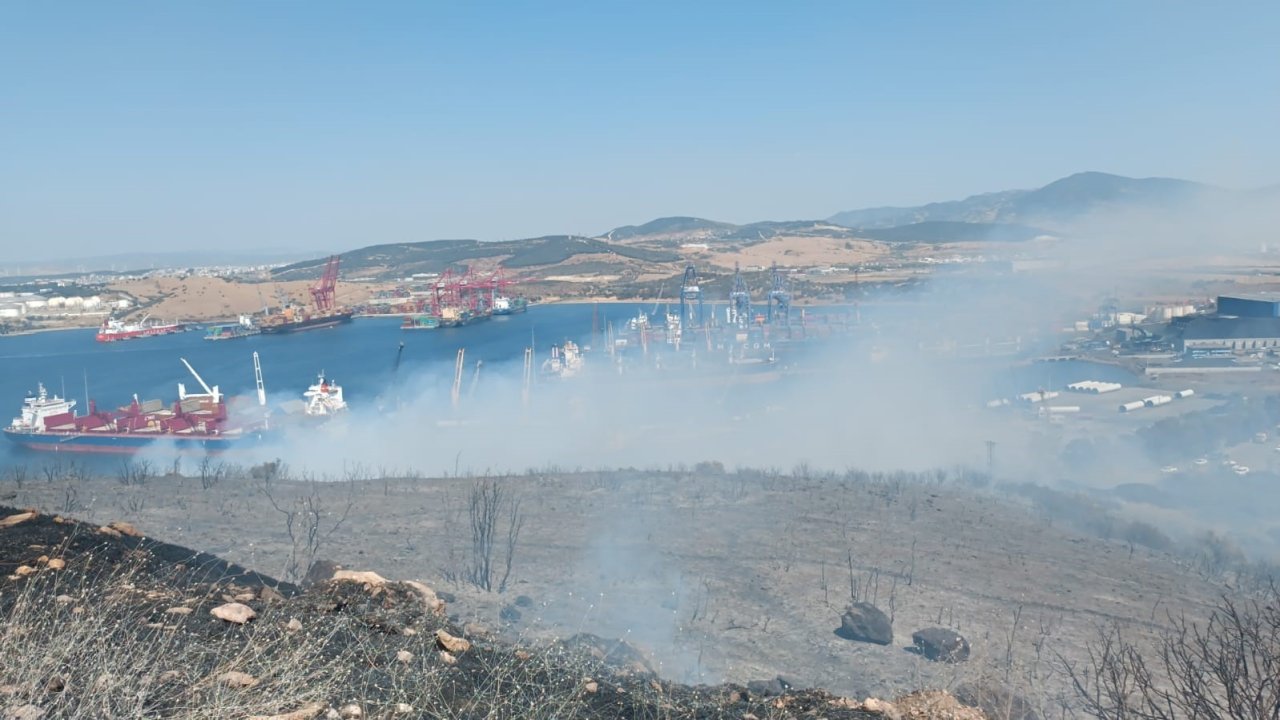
(211, 393)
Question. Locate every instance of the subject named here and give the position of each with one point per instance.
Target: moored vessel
(114, 330)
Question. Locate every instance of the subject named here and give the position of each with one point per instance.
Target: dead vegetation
(115, 625)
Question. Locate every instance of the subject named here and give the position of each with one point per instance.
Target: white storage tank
(92, 301)
(10, 312)
(1184, 393)
(36, 303)
(75, 302)
(1131, 406)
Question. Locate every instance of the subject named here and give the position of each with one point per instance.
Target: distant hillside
(1054, 205)
(666, 226)
(401, 259)
(942, 231)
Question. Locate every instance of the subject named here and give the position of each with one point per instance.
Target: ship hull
(118, 335)
(129, 443)
(312, 323)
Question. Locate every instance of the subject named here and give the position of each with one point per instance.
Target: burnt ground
(372, 643)
(715, 577)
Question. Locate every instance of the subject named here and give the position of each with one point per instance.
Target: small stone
(332, 714)
(450, 643)
(404, 656)
(57, 563)
(42, 560)
(403, 708)
(430, 599)
(169, 676)
(351, 711)
(522, 655)
(109, 532)
(180, 610)
(244, 597)
(294, 625)
(55, 684)
(408, 632)
(26, 712)
(125, 528)
(447, 658)
(234, 613)
(591, 686)
(368, 578)
(237, 680)
(270, 595)
(63, 599)
(18, 519)
(24, 570)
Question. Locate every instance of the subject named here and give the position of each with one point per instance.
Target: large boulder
(941, 644)
(865, 622)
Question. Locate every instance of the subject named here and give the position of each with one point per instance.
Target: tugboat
(231, 331)
(324, 399)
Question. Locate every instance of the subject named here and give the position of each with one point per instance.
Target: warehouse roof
(1256, 297)
(1231, 328)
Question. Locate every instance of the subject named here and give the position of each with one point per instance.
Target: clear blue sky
(331, 125)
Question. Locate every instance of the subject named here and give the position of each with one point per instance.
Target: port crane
(323, 292)
(779, 298)
(691, 298)
(739, 300)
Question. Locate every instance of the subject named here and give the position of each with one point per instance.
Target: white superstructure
(324, 398)
(39, 406)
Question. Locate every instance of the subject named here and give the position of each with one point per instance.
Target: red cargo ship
(113, 329)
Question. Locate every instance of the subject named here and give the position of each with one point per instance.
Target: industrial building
(1248, 306)
(1240, 333)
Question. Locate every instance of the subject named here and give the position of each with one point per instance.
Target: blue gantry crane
(779, 298)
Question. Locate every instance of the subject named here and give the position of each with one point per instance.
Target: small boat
(324, 399)
(114, 330)
(420, 322)
(565, 361)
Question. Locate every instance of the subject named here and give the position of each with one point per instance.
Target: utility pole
(991, 459)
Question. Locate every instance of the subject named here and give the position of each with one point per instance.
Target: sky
(130, 126)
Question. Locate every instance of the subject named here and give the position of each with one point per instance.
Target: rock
(404, 656)
(234, 613)
(269, 595)
(350, 711)
(447, 658)
(24, 570)
(110, 532)
(57, 563)
(524, 601)
(125, 528)
(179, 610)
(368, 578)
(294, 625)
(430, 599)
(332, 714)
(865, 622)
(55, 684)
(591, 687)
(941, 645)
(617, 654)
(18, 519)
(408, 632)
(509, 613)
(403, 708)
(320, 571)
(169, 676)
(522, 654)
(880, 708)
(64, 599)
(237, 680)
(306, 712)
(937, 704)
(245, 597)
(447, 642)
(26, 712)
(766, 688)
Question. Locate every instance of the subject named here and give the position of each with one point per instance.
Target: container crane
(691, 298)
(323, 292)
(739, 300)
(779, 298)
